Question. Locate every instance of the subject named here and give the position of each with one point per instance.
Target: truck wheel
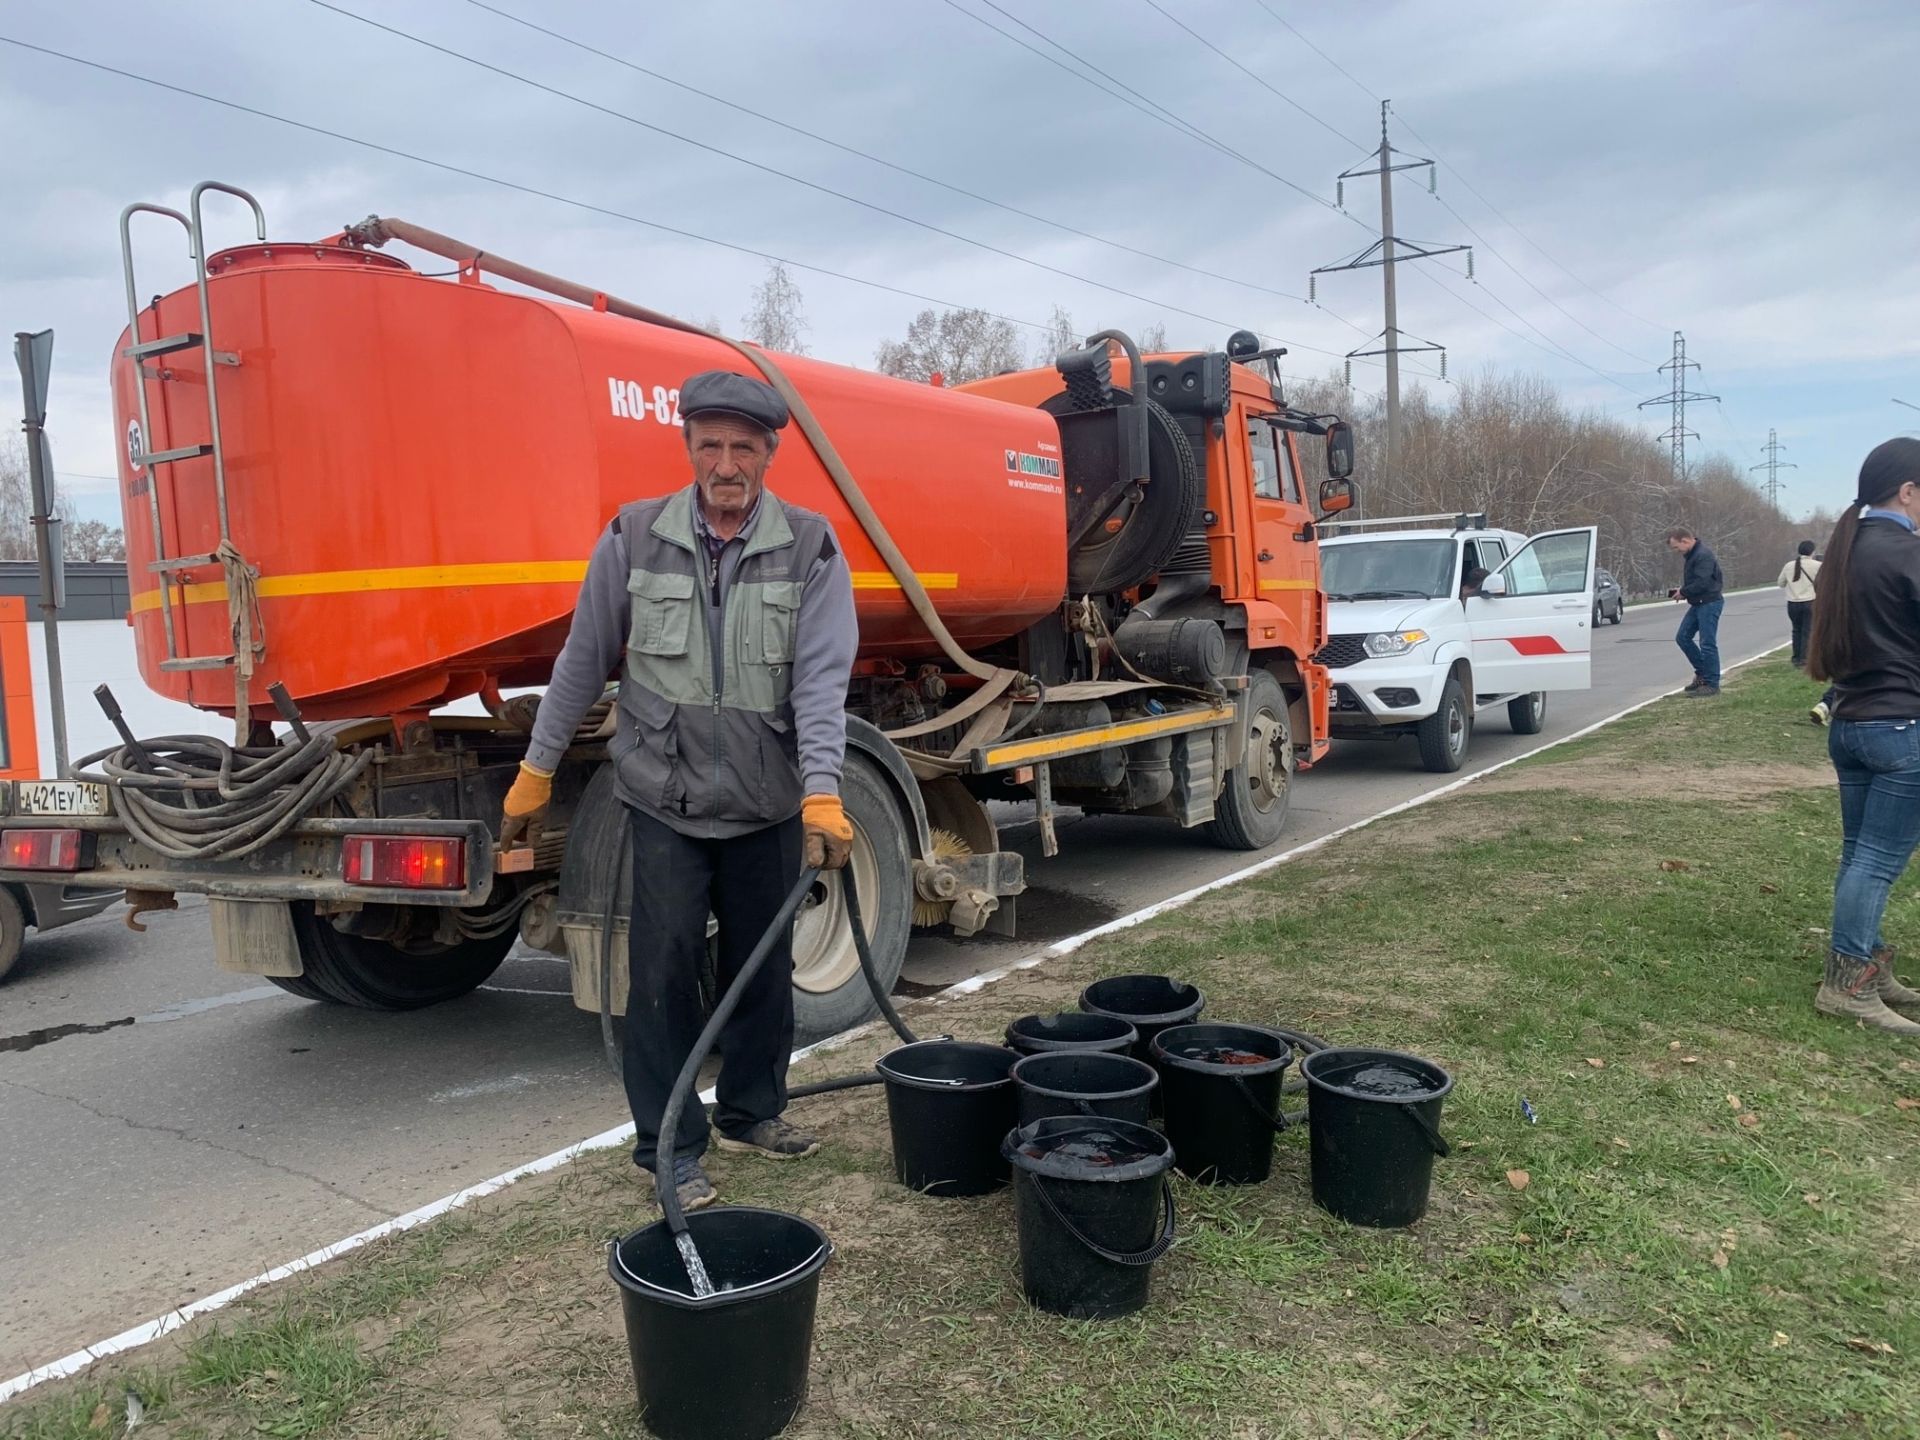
(13, 930)
(1444, 734)
(829, 992)
(1528, 713)
(1252, 808)
(375, 975)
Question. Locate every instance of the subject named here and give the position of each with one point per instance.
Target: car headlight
(1393, 642)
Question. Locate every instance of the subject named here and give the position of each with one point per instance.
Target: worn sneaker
(1692, 685)
(775, 1139)
(1704, 692)
(1820, 714)
(690, 1183)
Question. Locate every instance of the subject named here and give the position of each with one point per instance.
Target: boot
(1851, 990)
(1893, 994)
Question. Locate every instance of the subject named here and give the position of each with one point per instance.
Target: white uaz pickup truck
(1412, 650)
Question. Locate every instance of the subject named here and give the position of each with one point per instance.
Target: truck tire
(13, 930)
(1444, 734)
(1252, 809)
(1527, 714)
(829, 992)
(374, 975)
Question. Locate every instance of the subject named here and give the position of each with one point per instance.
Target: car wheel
(1443, 735)
(13, 930)
(1527, 714)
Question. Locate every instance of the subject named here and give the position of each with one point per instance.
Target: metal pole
(1386, 271)
(35, 355)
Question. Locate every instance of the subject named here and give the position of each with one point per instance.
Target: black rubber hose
(609, 1042)
(867, 967)
(842, 1082)
(683, 1087)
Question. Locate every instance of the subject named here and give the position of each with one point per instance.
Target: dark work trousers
(677, 879)
(1800, 617)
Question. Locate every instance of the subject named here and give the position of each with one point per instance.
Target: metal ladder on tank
(244, 626)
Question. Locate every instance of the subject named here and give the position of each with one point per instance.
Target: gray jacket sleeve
(826, 638)
(594, 646)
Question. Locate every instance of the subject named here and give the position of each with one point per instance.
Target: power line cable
(589, 207)
(1254, 76)
(766, 169)
(879, 160)
(1148, 107)
(1365, 90)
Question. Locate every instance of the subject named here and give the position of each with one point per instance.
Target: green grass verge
(1716, 1232)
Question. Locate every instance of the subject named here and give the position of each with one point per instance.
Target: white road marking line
(188, 1008)
(622, 1134)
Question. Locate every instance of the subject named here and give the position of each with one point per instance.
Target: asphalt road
(197, 1127)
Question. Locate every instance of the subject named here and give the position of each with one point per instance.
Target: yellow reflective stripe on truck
(1052, 747)
(436, 577)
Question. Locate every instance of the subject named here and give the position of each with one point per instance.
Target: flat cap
(723, 391)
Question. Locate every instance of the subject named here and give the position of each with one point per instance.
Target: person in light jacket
(1796, 578)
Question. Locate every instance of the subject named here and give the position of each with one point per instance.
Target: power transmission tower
(1773, 465)
(1387, 252)
(1677, 398)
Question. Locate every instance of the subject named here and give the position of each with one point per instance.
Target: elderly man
(733, 614)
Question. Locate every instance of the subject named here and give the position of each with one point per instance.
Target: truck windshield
(1388, 570)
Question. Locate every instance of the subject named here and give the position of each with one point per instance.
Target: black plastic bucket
(733, 1366)
(949, 1105)
(1071, 1030)
(1094, 1211)
(1221, 1091)
(1149, 1003)
(1084, 1082)
(1372, 1149)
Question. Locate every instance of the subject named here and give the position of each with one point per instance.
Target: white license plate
(59, 797)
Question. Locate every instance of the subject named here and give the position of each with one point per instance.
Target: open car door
(1534, 631)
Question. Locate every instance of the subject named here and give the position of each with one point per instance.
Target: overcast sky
(1743, 172)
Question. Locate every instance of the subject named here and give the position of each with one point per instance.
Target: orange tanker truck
(356, 494)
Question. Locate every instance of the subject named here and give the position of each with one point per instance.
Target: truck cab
(1414, 649)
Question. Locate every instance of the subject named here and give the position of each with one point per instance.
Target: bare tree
(95, 540)
(16, 502)
(1153, 339)
(776, 319)
(1060, 337)
(960, 345)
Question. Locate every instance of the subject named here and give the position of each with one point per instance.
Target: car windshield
(1388, 570)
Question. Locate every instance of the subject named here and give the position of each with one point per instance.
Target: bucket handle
(1280, 1123)
(1434, 1138)
(1135, 1257)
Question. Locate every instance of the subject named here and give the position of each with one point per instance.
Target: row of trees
(82, 540)
(1506, 444)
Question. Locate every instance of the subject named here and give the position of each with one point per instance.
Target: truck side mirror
(1493, 586)
(1335, 496)
(1339, 451)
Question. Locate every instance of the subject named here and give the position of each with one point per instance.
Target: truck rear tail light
(404, 862)
(43, 850)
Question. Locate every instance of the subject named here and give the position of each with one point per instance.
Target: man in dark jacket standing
(1700, 587)
(729, 616)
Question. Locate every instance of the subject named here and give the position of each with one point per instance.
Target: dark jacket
(1884, 573)
(1701, 581)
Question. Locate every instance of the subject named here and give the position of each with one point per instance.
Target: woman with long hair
(1796, 578)
(1866, 643)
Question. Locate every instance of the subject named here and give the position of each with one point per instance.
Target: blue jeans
(1704, 621)
(1878, 763)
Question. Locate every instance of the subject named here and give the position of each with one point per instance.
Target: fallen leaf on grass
(1780, 1337)
(1519, 1179)
(1621, 1143)
(1522, 1238)
(1719, 1259)
(1749, 1120)
(1663, 1434)
(1769, 889)
(1733, 1101)
(1673, 1045)
(1689, 1059)
(102, 1417)
(1905, 1104)
(1596, 1062)
(1811, 1198)
(1672, 865)
(1871, 1347)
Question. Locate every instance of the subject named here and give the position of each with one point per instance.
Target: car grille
(1341, 651)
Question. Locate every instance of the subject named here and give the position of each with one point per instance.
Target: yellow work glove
(829, 833)
(528, 798)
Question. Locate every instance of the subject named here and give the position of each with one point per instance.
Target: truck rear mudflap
(396, 862)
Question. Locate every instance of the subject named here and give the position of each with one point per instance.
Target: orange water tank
(418, 467)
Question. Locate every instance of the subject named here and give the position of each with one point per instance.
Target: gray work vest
(706, 738)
